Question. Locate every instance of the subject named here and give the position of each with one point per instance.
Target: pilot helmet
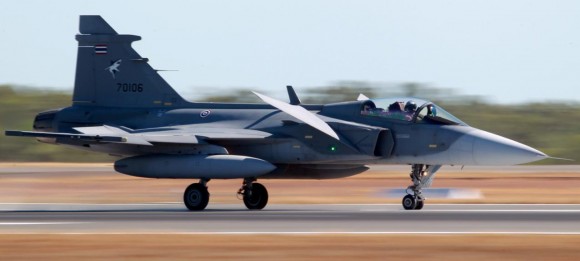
(410, 106)
(431, 110)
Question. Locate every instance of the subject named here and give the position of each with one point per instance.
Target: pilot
(396, 111)
(410, 109)
(431, 110)
(368, 108)
(395, 107)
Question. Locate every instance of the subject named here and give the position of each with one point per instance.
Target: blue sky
(507, 51)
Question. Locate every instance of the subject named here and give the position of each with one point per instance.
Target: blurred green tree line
(552, 127)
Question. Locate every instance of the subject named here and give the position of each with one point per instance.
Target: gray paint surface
(121, 98)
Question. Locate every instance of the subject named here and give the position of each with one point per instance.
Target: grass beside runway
(289, 247)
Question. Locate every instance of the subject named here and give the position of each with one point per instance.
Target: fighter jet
(127, 110)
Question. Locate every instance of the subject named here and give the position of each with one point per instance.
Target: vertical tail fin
(110, 73)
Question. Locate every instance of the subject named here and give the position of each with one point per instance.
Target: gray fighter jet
(121, 106)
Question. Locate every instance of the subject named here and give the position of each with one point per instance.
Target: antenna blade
(292, 95)
(362, 97)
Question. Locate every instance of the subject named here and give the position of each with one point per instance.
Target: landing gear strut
(422, 177)
(196, 195)
(254, 194)
(415, 200)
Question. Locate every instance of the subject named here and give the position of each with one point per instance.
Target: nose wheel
(410, 202)
(415, 200)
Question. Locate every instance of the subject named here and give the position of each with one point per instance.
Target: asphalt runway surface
(173, 218)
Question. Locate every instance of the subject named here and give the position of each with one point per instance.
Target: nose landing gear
(415, 199)
(422, 176)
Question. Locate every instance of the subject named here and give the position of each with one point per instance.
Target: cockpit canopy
(409, 109)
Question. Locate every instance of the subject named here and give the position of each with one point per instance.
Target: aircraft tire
(196, 197)
(420, 204)
(409, 202)
(258, 198)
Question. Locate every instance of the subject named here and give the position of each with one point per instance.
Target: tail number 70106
(129, 87)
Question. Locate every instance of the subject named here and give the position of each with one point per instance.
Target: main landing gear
(255, 195)
(196, 195)
(422, 176)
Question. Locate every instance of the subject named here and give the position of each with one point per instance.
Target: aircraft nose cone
(491, 149)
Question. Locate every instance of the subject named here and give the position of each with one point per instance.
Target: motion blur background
(506, 67)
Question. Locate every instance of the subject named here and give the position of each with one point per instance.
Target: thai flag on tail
(100, 49)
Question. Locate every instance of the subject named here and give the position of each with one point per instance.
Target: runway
(172, 218)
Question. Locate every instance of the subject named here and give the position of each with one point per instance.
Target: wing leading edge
(72, 136)
(109, 134)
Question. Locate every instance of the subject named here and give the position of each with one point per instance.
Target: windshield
(409, 109)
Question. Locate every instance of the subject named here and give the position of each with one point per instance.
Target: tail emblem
(114, 68)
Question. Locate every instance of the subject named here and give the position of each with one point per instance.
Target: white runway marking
(289, 219)
(314, 204)
(93, 204)
(440, 204)
(37, 223)
(305, 233)
(475, 210)
(298, 208)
